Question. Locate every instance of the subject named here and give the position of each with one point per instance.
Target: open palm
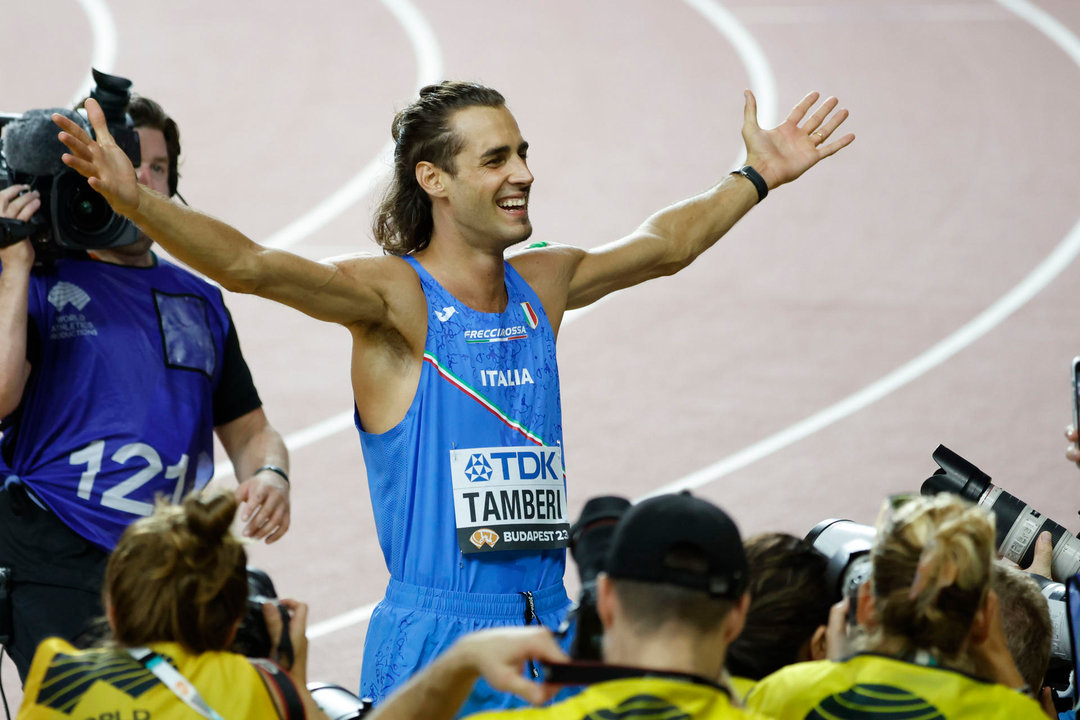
(787, 151)
(102, 162)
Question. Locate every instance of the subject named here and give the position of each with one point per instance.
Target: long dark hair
(422, 133)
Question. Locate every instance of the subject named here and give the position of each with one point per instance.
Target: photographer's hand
(498, 655)
(1043, 556)
(1072, 452)
(18, 202)
(102, 162)
(836, 633)
(298, 612)
(16, 260)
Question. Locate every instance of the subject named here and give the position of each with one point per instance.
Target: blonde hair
(179, 575)
(932, 561)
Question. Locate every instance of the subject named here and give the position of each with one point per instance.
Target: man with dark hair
(116, 369)
(454, 371)
(672, 600)
(789, 609)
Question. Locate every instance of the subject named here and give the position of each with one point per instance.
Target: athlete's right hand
(102, 162)
(498, 655)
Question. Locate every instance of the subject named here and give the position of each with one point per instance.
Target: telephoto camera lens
(1018, 524)
(846, 545)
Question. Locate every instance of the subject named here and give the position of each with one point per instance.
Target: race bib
(509, 498)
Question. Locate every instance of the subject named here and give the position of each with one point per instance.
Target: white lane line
(749, 51)
(103, 30)
(342, 621)
(425, 47)
(762, 83)
(1062, 255)
(1029, 287)
(1039, 278)
(1047, 24)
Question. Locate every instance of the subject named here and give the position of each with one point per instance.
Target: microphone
(30, 144)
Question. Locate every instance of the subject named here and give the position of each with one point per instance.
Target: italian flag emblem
(530, 315)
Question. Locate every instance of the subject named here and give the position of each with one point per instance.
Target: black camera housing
(253, 637)
(73, 217)
(590, 539)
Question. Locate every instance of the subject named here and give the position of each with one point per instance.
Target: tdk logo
(478, 469)
(514, 465)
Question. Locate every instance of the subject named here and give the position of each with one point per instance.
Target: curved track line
(753, 57)
(1060, 258)
(429, 69)
(103, 30)
(762, 83)
(1029, 287)
(425, 46)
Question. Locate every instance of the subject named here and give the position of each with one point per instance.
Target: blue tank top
(469, 489)
(118, 408)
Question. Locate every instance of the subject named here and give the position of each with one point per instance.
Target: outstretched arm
(671, 239)
(323, 290)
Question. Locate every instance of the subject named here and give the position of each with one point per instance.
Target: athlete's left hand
(264, 509)
(788, 150)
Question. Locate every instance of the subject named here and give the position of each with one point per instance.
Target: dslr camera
(253, 640)
(590, 538)
(1018, 524)
(73, 218)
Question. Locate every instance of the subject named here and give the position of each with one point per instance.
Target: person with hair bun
(175, 594)
(934, 647)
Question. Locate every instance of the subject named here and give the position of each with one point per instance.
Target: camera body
(73, 217)
(253, 640)
(253, 637)
(590, 538)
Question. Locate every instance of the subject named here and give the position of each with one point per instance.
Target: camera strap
(173, 680)
(273, 674)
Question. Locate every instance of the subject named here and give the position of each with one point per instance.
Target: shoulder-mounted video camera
(73, 217)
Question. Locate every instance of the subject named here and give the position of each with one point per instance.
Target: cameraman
(176, 589)
(671, 602)
(116, 368)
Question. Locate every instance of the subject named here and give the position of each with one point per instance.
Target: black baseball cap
(679, 540)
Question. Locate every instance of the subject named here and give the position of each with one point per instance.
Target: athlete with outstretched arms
(453, 357)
